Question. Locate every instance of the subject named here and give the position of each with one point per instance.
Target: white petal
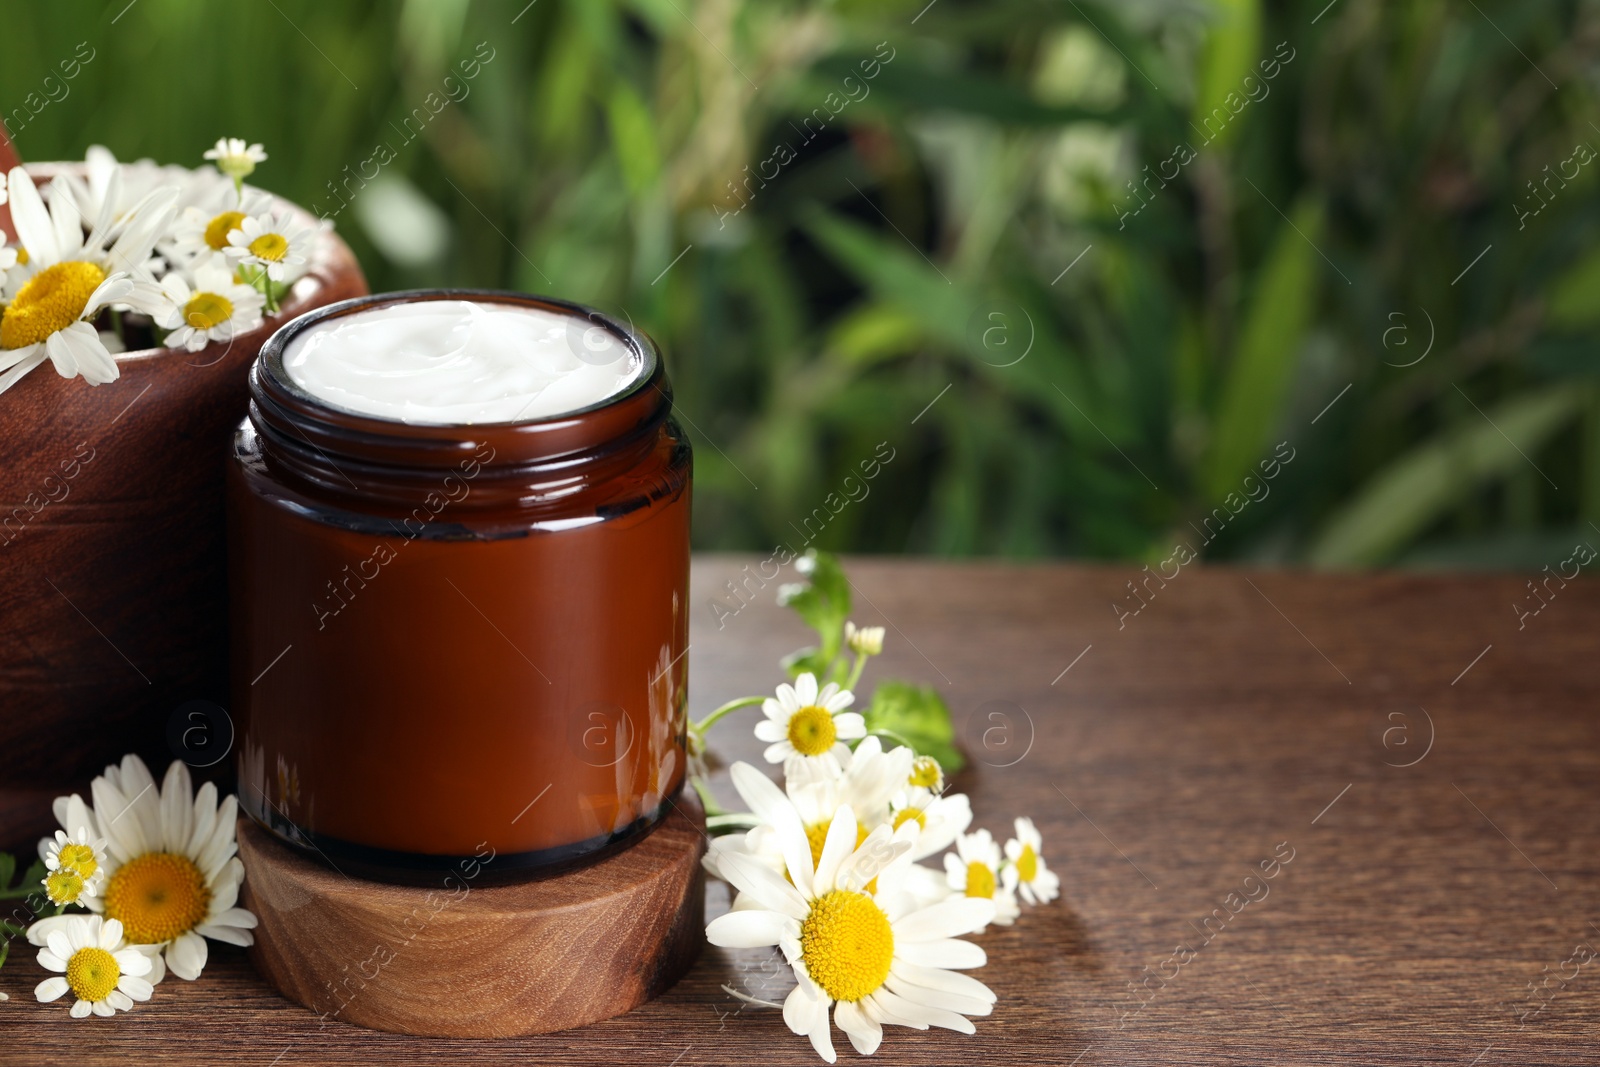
(52, 962)
(800, 1008)
(233, 935)
(777, 753)
(177, 807)
(923, 1014)
(774, 808)
(865, 1034)
(819, 1031)
(119, 1000)
(961, 1003)
(136, 987)
(747, 929)
(838, 846)
(948, 918)
(81, 1009)
(60, 946)
(186, 956)
(849, 725)
(103, 1009)
(29, 217)
(146, 221)
(110, 933)
(132, 961)
(805, 689)
(748, 874)
(951, 953)
(205, 818)
(50, 989)
(948, 981)
(78, 350)
(39, 933)
(121, 827)
(769, 731)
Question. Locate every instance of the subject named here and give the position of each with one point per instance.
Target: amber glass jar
(459, 645)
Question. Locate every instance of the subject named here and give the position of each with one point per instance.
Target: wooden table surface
(1239, 715)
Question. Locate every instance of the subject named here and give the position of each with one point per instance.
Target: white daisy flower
(866, 786)
(202, 230)
(172, 878)
(973, 870)
(74, 864)
(235, 158)
(70, 279)
(926, 774)
(266, 241)
(940, 819)
(94, 964)
(801, 721)
(1037, 883)
(871, 951)
(216, 308)
(866, 640)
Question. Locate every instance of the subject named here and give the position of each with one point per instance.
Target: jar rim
(272, 351)
(312, 431)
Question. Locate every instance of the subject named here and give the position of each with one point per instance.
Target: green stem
(707, 800)
(733, 705)
(855, 672)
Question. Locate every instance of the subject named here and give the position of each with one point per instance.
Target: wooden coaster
(489, 961)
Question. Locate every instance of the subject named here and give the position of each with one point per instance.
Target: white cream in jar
(460, 362)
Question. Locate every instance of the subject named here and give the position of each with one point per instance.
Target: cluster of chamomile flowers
(198, 252)
(154, 875)
(830, 872)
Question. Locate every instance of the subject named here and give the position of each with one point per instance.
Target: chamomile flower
(865, 786)
(973, 870)
(203, 229)
(135, 181)
(70, 279)
(172, 878)
(940, 818)
(74, 865)
(803, 721)
(865, 640)
(269, 242)
(860, 947)
(926, 774)
(94, 964)
(1036, 883)
(216, 308)
(235, 158)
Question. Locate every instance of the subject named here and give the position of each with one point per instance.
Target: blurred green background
(1083, 266)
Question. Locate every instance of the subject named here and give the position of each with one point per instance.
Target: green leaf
(824, 603)
(916, 716)
(1411, 493)
(633, 138)
(1269, 345)
(1233, 43)
(905, 82)
(8, 867)
(1571, 304)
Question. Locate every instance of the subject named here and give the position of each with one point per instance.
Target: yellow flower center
(817, 836)
(63, 886)
(905, 815)
(980, 880)
(79, 858)
(51, 301)
(205, 311)
(217, 229)
(847, 944)
(92, 974)
(270, 246)
(157, 896)
(925, 772)
(811, 730)
(1028, 864)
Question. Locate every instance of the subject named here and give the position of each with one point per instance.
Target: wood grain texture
(1173, 757)
(463, 959)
